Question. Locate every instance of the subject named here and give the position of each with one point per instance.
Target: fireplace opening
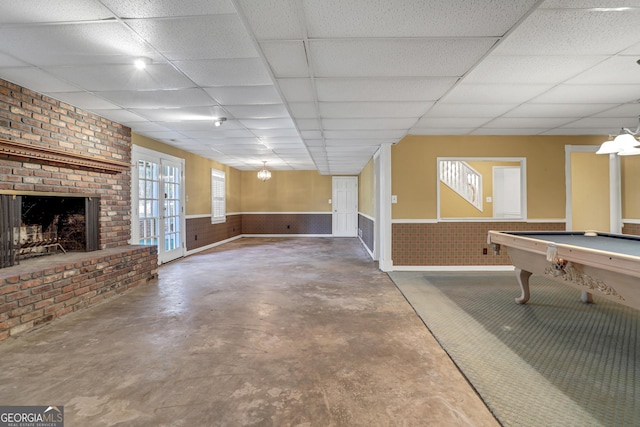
(35, 225)
(51, 224)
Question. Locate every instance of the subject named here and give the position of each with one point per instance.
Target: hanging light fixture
(264, 174)
(624, 144)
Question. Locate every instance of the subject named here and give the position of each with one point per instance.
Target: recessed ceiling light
(219, 121)
(141, 62)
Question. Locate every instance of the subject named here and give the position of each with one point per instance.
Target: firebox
(38, 224)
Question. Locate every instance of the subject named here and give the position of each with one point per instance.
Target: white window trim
(218, 214)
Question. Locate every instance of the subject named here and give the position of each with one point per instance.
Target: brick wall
(35, 293)
(39, 290)
(27, 116)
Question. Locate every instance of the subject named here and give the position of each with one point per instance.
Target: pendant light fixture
(264, 174)
(624, 144)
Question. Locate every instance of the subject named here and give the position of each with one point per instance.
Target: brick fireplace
(56, 156)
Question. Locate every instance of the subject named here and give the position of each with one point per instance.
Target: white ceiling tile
(614, 124)
(372, 109)
(276, 132)
(440, 131)
(573, 131)
(494, 93)
(590, 94)
(506, 131)
(142, 126)
(528, 122)
(530, 69)
(275, 19)
(622, 69)
(47, 11)
(442, 109)
(168, 8)
(190, 97)
(303, 110)
(103, 43)
(297, 90)
(182, 38)
(557, 110)
(625, 110)
(311, 134)
(268, 123)
(383, 89)
(308, 124)
(226, 72)
(276, 141)
(264, 111)
(331, 142)
(202, 114)
(572, 32)
(403, 57)
(453, 123)
(121, 116)
(7, 61)
(245, 95)
(204, 123)
(363, 134)
(37, 79)
(87, 100)
(314, 142)
(367, 124)
(403, 18)
(122, 77)
(217, 134)
(230, 141)
(286, 58)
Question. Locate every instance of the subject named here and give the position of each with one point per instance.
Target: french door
(157, 203)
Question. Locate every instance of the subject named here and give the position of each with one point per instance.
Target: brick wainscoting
(365, 226)
(297, 223)
(633, 229)
(454, 243)
(200, 232)
(40, 290)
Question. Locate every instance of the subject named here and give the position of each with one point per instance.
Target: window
(218, 194)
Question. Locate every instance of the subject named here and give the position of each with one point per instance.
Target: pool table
(604, 264)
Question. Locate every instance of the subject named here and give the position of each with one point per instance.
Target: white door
(506, 192)
(157, 203)
(345, 206)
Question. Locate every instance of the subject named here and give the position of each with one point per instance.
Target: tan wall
(286, 191)
(198, 177)
(590, 202)
(366, 186)
(414, 169)
(630, 187)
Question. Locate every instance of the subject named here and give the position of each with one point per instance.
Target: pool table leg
(523, 281)
(586, 297)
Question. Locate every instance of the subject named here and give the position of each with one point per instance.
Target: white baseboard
(452, 268)
(212, 245)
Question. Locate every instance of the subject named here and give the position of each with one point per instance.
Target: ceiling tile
(264, 111)
(101, 78)
(528, 123)
(226, 72)
(297, 90)
(363, 134)
(268, 123)
(202, 114)
(573, 32)
(37, 79)
(190, 97)
(403, 57)
(286, 58)
(530, 69)
(383, 89)
(463, 110)
(102, 43)
(274, 19)
(275, 132)
(404, 18)
(367, 124)
(168, 8)
(34, 11)
(494, 93)
(590, 94)
(182, 38)
(624, 68)
(245, 95)
(87, 100)
(452, 123)
(557, 110)
(303, 110)
(372, 109)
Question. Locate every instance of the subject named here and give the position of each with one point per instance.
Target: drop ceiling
(321, 84)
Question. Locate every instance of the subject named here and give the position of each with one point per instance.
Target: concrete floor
(256, 332)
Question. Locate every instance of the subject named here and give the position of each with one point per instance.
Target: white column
(384, 208)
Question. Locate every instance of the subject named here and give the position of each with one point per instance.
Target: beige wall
(286, 191)
(630, 187)
(414, 169)
(365, 189)
(198, 177)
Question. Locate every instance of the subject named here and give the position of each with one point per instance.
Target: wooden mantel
(25, 150)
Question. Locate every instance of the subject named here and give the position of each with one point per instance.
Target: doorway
(345, 206)
(158, 203)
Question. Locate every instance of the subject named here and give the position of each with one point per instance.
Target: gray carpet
(552, 362)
